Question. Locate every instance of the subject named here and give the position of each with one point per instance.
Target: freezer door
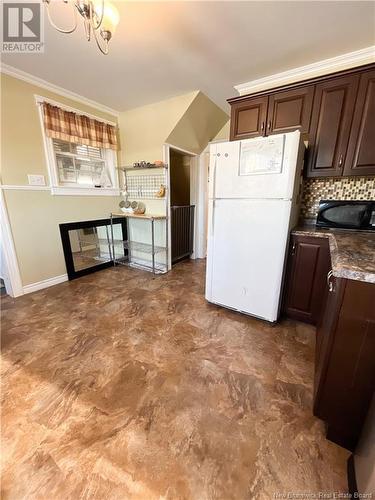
(246, 251)
(262, 167)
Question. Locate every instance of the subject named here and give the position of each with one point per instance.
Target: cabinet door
(330, 126)
(360, 159)
(347, 378)
(290, 110)
(248, 118)
(324, 335)
(308, 265)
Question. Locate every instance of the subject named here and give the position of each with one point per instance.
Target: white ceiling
(163, 49)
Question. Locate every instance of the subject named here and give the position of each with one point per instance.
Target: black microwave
(358, 215)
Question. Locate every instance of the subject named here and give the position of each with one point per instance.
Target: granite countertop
(352, 252)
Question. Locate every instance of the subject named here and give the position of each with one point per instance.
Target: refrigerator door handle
(212, 217)
(214, 175)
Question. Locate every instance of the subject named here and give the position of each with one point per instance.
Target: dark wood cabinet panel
(330, 126)
(345, 371)
(248, 119)
(333, 294)
(290, 110)
(360, 158)
(335, 112)
(308, 265)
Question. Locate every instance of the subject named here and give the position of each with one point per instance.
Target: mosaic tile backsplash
(334, 188)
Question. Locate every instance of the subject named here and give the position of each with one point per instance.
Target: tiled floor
(120, 385)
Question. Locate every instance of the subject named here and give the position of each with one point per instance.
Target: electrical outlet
(36, 180)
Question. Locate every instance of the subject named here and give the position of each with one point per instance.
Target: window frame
(110, 157)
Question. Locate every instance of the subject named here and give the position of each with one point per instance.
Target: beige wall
(35, 215)
(22, 143)
(199, 125)
(144, 130)
(223, 134)
(188, 121)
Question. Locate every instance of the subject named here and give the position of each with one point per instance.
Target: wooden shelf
(139, 216)
(143, 168)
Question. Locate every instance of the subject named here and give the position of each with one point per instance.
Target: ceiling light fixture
(99, 18)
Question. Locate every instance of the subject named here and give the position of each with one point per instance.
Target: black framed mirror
(87, 245)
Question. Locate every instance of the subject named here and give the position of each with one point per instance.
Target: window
(82, 165)
(76, 168)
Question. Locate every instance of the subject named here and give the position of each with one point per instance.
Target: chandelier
(100, 19)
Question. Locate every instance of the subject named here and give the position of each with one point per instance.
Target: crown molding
(34, 80)
(332, 65)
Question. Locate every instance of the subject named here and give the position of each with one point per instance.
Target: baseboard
(352, 482)
(39, 285)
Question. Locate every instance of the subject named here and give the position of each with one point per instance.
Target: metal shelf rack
(145, 185)
(134, 246)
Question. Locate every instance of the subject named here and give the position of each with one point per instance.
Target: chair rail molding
(319, 68)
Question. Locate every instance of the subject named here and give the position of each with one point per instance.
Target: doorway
(182, 208)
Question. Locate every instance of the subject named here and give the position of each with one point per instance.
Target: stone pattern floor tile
(121, 385)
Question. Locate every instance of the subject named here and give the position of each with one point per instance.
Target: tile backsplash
(334, 188)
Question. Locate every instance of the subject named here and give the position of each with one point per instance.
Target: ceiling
(163, 49)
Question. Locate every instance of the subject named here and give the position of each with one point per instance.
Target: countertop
(352, 252)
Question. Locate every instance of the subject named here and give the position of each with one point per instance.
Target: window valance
(69, 126)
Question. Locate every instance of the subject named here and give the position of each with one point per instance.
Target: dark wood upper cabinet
(290, 110)
(336, 113)
(248, 119)
(330, 126)
(360, 158)
(308, 264)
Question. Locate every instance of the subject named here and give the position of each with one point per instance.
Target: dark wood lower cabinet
(344, 312)
(308, 264)
(345, 359)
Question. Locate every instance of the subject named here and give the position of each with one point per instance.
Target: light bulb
(111, 16)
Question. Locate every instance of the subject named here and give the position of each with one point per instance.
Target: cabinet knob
(262, 126)
(341, 158)
(294, 248)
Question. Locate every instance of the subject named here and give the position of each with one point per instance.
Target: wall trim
(34, 80)
(81, 191)
(61, 190)
(9, 252)
(24, 187)
(39, 285)
(325, 66)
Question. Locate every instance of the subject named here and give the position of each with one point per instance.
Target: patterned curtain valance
(69, 126)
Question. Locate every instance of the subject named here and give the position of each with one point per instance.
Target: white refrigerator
(253, 202)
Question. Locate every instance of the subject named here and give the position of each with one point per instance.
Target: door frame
(13, 282)
(194, 190)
